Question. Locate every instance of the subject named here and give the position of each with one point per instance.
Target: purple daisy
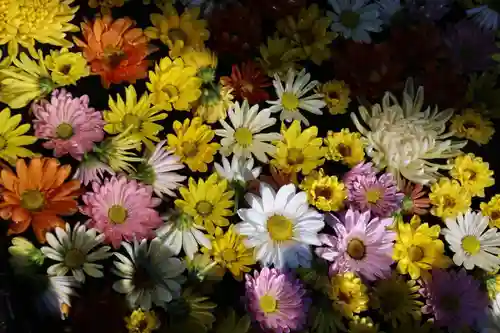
(455, 299)
(361, 245)
(432, 10)
(276, 300)
(361, 169)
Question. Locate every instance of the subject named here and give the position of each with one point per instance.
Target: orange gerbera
(37, 195)
(115, 49)
(247, 83)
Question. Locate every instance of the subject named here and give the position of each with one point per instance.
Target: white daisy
(486, 17)
(471, 244)
(180, 232)
(240, 169)
(73, 250)
(151, 276)
(280, 226)
(291, 98)
(62, 288)
(244, 138)
(492, 324)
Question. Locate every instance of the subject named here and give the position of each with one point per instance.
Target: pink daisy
(122, 208)
(92, 170)
(69, 124)
(276, 300)
(362, 245)
(361, 169)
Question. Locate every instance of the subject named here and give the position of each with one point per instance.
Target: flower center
(471, 173)
(290, 101)
(495, 215)
(471, 245)
(176, 34)
(229, 255)
(65, 69)
(280, 228)
(64, 131)
(349, 19)
(189, 149)
(32, 200)
(74, 258)
(142, 279)
(448, 202)
(450, 302)
(469, 124)
(246, 86)
(373, 195)
(295, 156)
(415, 253)
(323, 191)
(268, 304)
(204, 208)
(3, 142)
(171, 91)
(356, 249)
(117, 214)
(333, 96)
(344, 150)
(131, 120)
(243, 136)
(115, 58)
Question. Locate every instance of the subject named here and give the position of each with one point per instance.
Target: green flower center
(243, 136)
(280, 228)
(132, 120)
(207, 74)
(356, 249)
(176, 34)
(268, 304)
(290, 101)
(32, 200)
(204, 208)
(350, 19)
(471, 245)
(46, 85)
(415, 253)
(74, 258)
(295, 156)
(64, 131)
(117, 214)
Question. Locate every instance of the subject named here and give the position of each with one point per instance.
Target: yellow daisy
(116, 151)
(299, 150)
(336, 96)
(471, 125)
(492, 209)
(214, 103)
(362, 325)
(140, 115)
(191, 143)
(66, 67)
(345, 147)
(208, 202)
(12, 139)
(278, 56)
(348, 294)
(141, 321)
(448, 198)
(472, 173)
(204, 61)
(325, 192)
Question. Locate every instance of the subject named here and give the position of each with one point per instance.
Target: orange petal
(42, 223)
(34, 173)
(71, 189)
(61, 175)
(9, 180)
(5, 212)
(20, 214)
(49, 173)
(63, 207)
(11, 198)
(19, 227)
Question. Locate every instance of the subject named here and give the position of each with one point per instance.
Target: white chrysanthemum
(291, 97)
(74, 251)
(151, 275)
(240, 169)
(492, 324)
(62, 287)
(404, 139)
(280, 226)
(180, 232)
(471, 244)
(244, 138)
(486, 17)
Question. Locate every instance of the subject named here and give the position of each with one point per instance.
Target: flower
(281, 226)
(326, 193)
(348, 293)
(37, 195)
(116, 151)
(141, 321)
(432, 10)
(69, 124)
(492, 210)
(191, 143)
(276, 301)
(309, 34)
(106, 6)
(24, 256)
(62, 288)
(362, 324)
(473, 174)
(115, 49)
(387, 9)
(244, 137)
(415, 200)
(291, 97)
(214, 103)
(448, 198)
(471, 125)
(12, 139)
(202, 267)
(74, 249)
(150, 274)
(158, 170)
(345, 147)
(454, 299)
(208, 202)
(278, 56)
(248, 83)
(362, 170)
(362, 245)
(299, 151)
(205, 62)
(91, 170)
(230, 323)
(240, 170)
(492, 285)
(66, 67)
(473, 245)
(140, 115)
(354, 19)
(178, 32)
(486, 16)
(336, 96)
(181, 232)
(190, 313)
(121, 208)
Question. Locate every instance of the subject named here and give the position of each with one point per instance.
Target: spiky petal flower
(91, 170)
(248, 83)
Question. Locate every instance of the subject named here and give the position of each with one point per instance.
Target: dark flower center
(356, 249)
(295, 156)
(344, 150)
(323, 191)
(176, 34)
(349, 19)
(142, 279)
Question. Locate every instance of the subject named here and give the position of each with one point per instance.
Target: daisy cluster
(323, 177)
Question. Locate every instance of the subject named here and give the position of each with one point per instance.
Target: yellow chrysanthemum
(173, 85)
(278, 56)
(362, 325)
(418, 248)
(191, 143)
(336, 96)
(345, 147)
(116, 151)
(348, 293)
(141, 321)
(310, 33)
(208, 202)
(214, 103)
(473, 174)
(448, 198)
(66, 67)
(492, 209)
(106, 5)
(178, 32)
(471, 125)
(229, 252)
(139, 115)
(299, 150)
(204, 61)
(12, 139)
(325, 192)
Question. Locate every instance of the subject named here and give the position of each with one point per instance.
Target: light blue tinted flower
(485, 17)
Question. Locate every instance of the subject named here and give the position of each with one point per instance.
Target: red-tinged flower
(416, 200)
(247, 83)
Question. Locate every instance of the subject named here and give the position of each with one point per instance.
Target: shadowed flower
(348, 293)
(12, 138)
(247, 82)
(471, 125)
(432, 10)
(141, 321)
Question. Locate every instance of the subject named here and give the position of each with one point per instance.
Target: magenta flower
(276, 300)
(362, 245)
(361, 169)
(69, 124)
(122, 209)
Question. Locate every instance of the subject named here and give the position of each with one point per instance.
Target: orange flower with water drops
(37, 195)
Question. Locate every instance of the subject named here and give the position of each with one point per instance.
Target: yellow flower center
(74, 258)
(295, 156)
(344, 150)
(415, 253)
(243, 136)
(471, 245)
(280, 228)
(229, 255)
(64, 131)
(131, 120)
(323, 191)
(190, 149)
(448, 202)
(204, 208)
(117, 214)
(176, 34)
(373, 195)
(290, 101)
(3, 142)
(32, 200)
(171, 91)
(356, 249)
(268, 304)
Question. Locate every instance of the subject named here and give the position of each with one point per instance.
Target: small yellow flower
(214, 103)
(471, 125)
(492, 209)
(472, 173)
(362, 325)
(66, 67)
(12, 138)
(191, 143)
(116, 151)
(448, 198)
(348, 293)
(336, 96)
(204, 61)
(278, 56)
(345, 147)
(325, 192)
(141, 321)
